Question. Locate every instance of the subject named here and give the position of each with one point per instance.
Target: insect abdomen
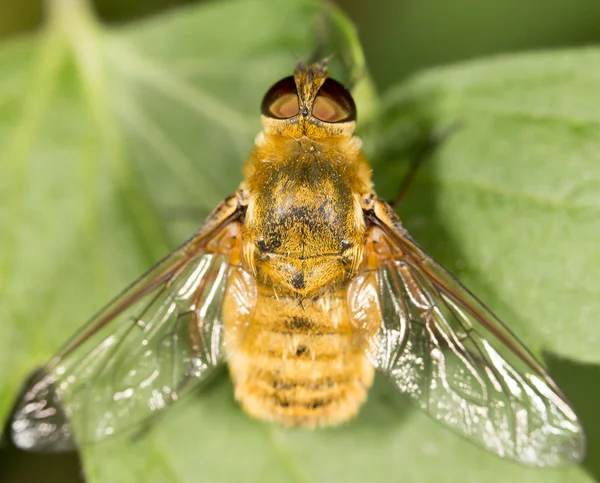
(300, 365)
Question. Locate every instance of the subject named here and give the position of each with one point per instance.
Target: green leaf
(106, 133)
(511, 200)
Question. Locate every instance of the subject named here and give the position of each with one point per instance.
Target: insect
(304, 283)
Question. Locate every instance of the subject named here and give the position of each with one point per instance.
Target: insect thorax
(304, 228)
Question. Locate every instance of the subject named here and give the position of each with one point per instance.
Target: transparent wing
(141, 353)
(447, 352)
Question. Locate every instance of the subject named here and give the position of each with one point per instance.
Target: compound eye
(281, 100)
(334, 103)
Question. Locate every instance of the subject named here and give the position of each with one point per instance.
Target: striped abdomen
(299, 363)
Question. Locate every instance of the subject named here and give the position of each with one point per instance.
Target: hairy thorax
(304, 226)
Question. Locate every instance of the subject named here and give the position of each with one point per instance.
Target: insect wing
(447, 352)
(155, 342)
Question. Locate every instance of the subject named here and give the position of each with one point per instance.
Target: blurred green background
(400, 37)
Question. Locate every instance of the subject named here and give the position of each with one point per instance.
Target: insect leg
(184, 213)
(423, 153)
